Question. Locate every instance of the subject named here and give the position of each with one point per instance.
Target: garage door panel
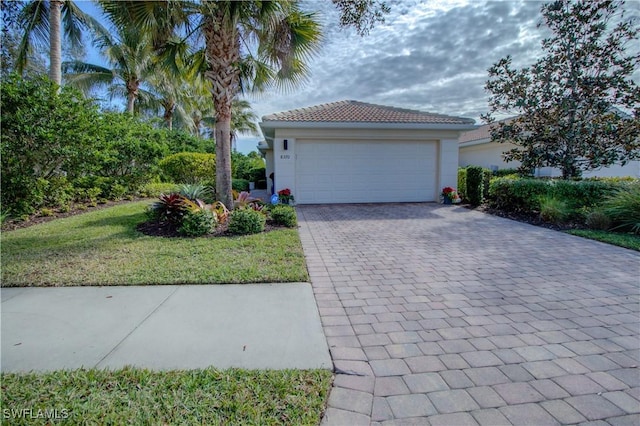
(364, 171)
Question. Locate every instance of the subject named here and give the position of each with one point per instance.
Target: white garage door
(364, 171)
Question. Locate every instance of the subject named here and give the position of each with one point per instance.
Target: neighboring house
(476, 149)
(355, 152)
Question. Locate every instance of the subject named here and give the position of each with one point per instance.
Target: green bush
(59, 145)
(517, 195)
(623, 207)
(246, 221)
(198, 223)
(553, 210)
(153, 190)
(189, 167)
(43, 133)
(505, 172)
(583, 193)
(462, 183)
(196, 191)
(598, 220)
(284, 215)
(487, 175)
(58, 192)
(474, 185)
(240, 185)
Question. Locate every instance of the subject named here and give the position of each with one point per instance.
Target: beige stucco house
(356, 152)
(476, 149)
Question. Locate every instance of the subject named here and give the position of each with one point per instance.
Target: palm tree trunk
(55, 48)
(132, 95)
(223, 56)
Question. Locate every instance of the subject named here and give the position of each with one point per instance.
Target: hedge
(524, 195)
(189, 167)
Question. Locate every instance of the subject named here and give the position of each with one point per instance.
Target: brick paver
(442, 315)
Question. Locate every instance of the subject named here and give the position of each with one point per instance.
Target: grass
(104, 248)
(137, 396)
(629, 241)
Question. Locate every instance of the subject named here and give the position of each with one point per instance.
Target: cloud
(431, 56)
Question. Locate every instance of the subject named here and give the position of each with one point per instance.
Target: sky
(429, 55)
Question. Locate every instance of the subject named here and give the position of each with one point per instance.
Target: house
(356, 152)
(476, 149)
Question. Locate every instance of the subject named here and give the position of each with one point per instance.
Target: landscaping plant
(623, 207)
(284, 215)
(553, 210)
(196, 223)
(474, 185)
(246, 221)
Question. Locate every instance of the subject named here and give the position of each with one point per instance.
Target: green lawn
(104, 248)
(629, 241)
(135, 396)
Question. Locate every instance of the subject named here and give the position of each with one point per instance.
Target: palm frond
(34, 21)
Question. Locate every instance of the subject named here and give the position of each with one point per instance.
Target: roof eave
(281, 124)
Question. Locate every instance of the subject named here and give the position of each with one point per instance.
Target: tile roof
(361, 112)
(482, 132)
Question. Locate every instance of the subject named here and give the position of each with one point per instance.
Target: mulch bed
(170, 230)
(530, 218)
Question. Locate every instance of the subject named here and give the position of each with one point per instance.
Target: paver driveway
(442, 315)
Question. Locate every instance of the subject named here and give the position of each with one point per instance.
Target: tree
(571, 104)
(249, 45)
(42, 22)
(131, 57)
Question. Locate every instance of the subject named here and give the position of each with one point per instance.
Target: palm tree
(243, 120)
(131, 57)
(249, 45)
(42, 22)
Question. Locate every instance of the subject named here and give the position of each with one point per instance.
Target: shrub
(623, 207)
(553, 209)
(170, 208)
(518, 195)
(474, 185)
(284, 215)
(58, 192)
(43, 132)
(462, 183)
(246, 221)
(197, 223)
(257, 174)
(598, 219)
(240, 184)
(196, 191)
(505, 172)
(584, 193)
(153, 190)
(189, 167)
(487, 175)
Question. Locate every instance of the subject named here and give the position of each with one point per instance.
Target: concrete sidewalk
(254, 326)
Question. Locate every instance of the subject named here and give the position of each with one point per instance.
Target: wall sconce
(285, 144)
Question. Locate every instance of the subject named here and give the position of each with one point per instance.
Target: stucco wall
(490, 154)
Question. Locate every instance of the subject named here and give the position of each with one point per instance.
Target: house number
(285, 157)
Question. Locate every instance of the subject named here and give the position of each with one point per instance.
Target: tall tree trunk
(132, 95)
(169, 108)
(55, 37)
(223, 56)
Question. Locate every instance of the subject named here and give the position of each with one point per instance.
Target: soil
(169, 230)
(530, 218)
